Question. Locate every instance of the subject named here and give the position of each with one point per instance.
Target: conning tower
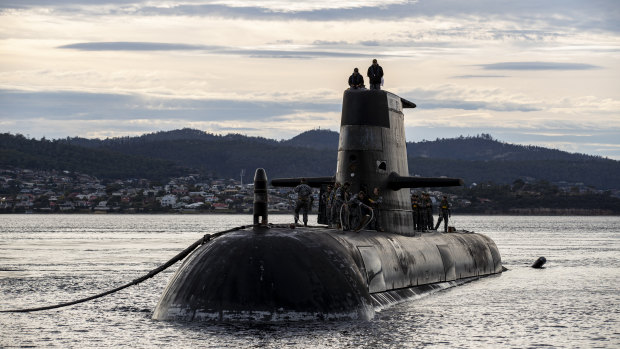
(372, 152)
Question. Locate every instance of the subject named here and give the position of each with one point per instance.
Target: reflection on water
(48, 259)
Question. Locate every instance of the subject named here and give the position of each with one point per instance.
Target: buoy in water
(539, 262)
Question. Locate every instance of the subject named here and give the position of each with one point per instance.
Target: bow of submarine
(272, 274)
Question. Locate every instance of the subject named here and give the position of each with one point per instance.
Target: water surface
(47, 259)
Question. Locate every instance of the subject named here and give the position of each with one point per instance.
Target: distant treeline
(537, 198)
(313, 153)
(20, 152)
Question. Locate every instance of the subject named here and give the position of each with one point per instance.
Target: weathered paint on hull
(310, 273)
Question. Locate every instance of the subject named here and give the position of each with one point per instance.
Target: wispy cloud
(478, 76)
(538, 66)
(138, 46)
(474, 105)
(80, 106)
(552, 13)
(211, 49)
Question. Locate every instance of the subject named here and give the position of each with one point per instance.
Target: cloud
(458, 97)
(297, 53)
(538, 66)
(71, 105)
(502, 106)
(136, 46)
(262, 53)
(478, 76)
(93, 106)
(599, 14)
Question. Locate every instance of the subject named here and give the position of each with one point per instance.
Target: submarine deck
(389, 260)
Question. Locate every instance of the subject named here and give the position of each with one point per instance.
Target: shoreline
(541, 213)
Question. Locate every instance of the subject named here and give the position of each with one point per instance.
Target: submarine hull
(309, 273)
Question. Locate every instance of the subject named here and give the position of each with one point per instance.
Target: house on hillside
(102, 206)
(168, 200)
(220, 206)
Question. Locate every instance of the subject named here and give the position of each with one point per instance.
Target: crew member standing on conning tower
(375, 73)
(356, 80)
(303, 191)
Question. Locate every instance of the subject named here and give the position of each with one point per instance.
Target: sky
(530, 72)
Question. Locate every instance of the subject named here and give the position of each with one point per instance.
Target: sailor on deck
(444, 213)
(428, 212)
(359, 208)
(375, 201)
(340, 207)
(415, 208)
(304, 192)
(325, 206)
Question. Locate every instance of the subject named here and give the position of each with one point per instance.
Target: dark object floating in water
(270, 273)
(539, 263)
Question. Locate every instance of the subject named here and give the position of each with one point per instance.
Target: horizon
(528, 73)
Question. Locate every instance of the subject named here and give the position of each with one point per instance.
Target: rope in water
(178, 257)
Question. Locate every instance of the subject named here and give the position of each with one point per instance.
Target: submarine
(268, 272)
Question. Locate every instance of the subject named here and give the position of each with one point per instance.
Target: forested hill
(317, 139)
(311, 153)
(222, 156)
(485, 148)
(20, 152)
(186, 134)
(483, 159)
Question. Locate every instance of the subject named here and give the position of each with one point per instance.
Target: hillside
(185, 134)
(316, 139)
(485, 148)
(18, 151)
(597, 173)
(311, 153)
(223, 156)
(227, 157)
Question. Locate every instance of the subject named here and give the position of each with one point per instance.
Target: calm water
(47, 259)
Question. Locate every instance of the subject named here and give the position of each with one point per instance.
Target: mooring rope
(178, 257)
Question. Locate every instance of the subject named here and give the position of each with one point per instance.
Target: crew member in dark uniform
(334, 220)
(358, 209)
(375, 202)
(356, 80)
(415, 208)
(423, 217)
(444, 213)
(304, 192)
(324, 206)
(428, 205)
(375, 73)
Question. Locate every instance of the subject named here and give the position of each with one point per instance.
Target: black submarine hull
(283, 274)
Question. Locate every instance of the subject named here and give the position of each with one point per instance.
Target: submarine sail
(270, 272)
